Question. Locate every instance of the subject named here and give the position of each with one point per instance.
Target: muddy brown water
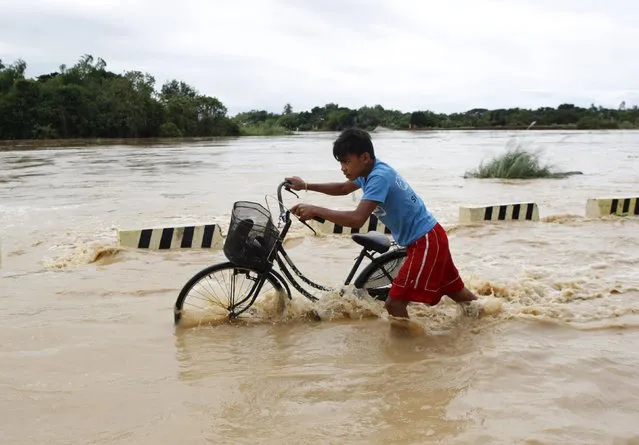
(89, 353)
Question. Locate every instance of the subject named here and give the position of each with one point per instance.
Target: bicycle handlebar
(279, 196)
(285, 213)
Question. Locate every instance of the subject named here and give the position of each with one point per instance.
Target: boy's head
(354, 151)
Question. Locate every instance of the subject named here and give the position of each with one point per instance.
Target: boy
(428, 273)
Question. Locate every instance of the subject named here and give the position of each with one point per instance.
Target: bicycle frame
(280, 256)
(285, 262)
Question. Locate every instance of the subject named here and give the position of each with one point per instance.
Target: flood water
(89, 353)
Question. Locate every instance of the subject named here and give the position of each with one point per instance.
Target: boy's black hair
(353, 141)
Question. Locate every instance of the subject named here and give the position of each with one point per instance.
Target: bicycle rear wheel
(225, 291)
(378, 276)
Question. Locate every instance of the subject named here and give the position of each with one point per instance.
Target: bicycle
(254, 245)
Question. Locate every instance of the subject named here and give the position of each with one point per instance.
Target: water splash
(86, 253)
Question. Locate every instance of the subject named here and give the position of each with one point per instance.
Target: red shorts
(428, 272)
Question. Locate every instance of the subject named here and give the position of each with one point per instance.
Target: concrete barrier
(528, 211)
(372, 224)
(208, 236)
(598, 207)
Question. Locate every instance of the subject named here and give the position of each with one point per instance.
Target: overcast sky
(443, 55)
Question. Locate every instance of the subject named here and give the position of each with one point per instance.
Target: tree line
(332, 117)
(89, 101)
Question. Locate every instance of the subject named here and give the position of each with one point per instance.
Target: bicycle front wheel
(378, 276)
(225, 291)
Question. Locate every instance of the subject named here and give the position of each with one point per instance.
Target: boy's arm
(333, 188)
(328, 188)
(346, 218)
(376, 193)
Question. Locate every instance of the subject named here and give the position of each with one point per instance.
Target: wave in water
(571, 304)
(86, 253)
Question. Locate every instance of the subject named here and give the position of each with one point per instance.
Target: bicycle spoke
(237, 285)
(213, 290)
(220, 303)
(208, 299)
(225, 283)
(204, 298)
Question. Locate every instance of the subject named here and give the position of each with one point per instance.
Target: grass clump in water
(516, 163)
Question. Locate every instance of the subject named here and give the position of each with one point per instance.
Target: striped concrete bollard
(528, 211)
(372, 224)
(207, 236)
(598, 207)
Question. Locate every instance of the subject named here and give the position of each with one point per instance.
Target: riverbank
(35, 144)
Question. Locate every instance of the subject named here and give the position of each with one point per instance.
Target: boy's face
(354, 166)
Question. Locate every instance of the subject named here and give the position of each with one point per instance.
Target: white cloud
(406, 54)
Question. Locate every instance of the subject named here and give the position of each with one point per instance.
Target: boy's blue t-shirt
(399, 207)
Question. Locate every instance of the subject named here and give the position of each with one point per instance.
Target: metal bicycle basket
(251, 235)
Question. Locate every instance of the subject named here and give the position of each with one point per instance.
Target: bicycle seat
(372, 241)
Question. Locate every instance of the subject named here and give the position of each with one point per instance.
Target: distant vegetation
(516, 163)
(88, 101)
(332, 117)
(262, 129)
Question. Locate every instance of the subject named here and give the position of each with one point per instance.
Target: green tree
(87, 100)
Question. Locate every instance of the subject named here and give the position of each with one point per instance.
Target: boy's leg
(398, 297)
(410, 283)
(451, 282)
(428, 273)
(396, 308)
(456, 289)
(463, 296)
(399, 308)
